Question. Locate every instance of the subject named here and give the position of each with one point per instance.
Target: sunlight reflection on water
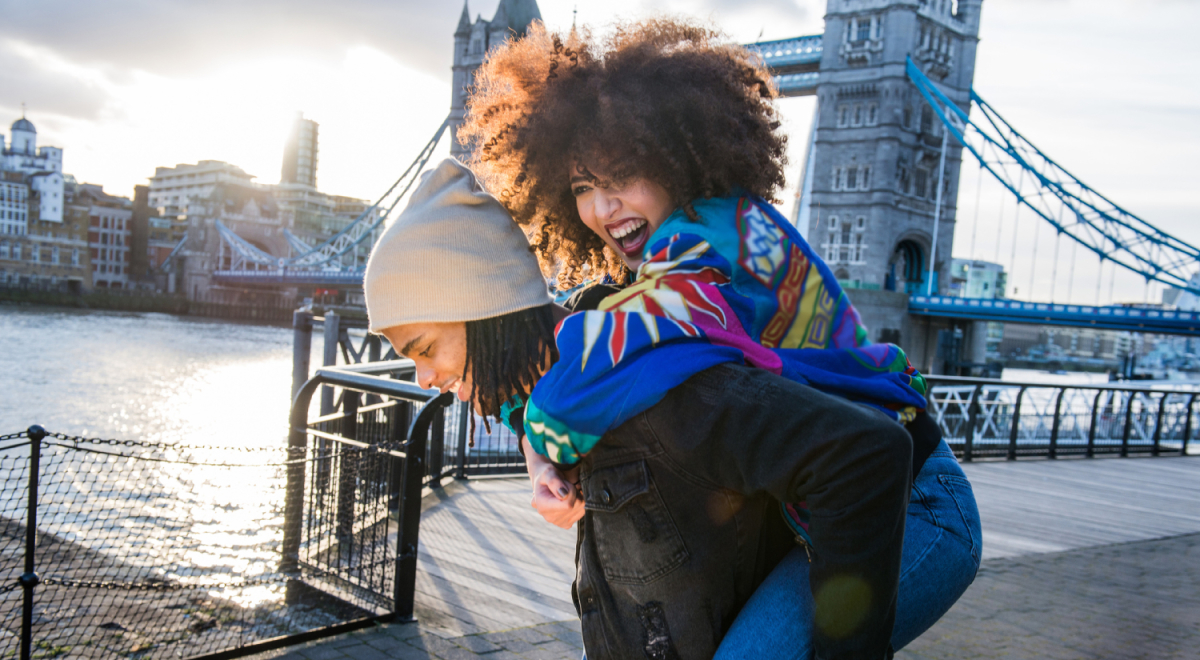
(158, 378)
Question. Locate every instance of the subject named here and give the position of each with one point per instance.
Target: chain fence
(147, 550)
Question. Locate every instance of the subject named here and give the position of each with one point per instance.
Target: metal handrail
(412, 457)
(964, 380)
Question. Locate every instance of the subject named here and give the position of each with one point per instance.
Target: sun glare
(374, 113)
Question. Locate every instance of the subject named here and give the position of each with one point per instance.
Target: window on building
(16, 251)
(831, 247)
(858, 115)
(903, 177)
(864, 178)
(922, 182)
(35, 254)
(75, 257)
(851, 178)
(906, 119)
(872, 114)
(3, 249)
(864, 29)
(926, 119)
(54, 255)
(843, 118)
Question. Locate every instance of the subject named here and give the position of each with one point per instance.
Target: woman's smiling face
(623, 215)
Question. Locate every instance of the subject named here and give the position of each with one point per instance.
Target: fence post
(1187, 427)
(437, 451)
(401, 420)
(1128, 424)
(972, 420)
(1091, 445)
(348, 474)
(410, 506)
(329, 357)
(1016, 425)
(1162, 404)
(1054, 429)
(374, 348)
(293, 501)
(464, 419)
(301, 348)
(30, 579)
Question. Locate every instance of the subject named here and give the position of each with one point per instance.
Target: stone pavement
(548, 641)
(1130, 601)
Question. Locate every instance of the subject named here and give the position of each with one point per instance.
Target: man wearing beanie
(677, 509)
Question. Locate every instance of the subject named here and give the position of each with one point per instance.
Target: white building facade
(41, 168)
(172, 187)
(14, 208)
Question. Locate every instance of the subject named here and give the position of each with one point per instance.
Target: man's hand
(555, 496)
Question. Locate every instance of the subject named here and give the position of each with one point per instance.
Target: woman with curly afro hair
(655, 152)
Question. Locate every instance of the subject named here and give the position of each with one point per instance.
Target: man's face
(439, 351)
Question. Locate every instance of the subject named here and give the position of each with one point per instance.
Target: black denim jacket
(683, 519)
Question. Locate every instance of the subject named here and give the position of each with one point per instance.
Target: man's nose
(426, 377)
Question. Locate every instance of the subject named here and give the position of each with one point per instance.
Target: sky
(124, 86)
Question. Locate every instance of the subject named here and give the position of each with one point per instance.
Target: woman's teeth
(626, 229)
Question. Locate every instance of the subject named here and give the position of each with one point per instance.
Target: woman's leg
(942, 545)
(776, 623)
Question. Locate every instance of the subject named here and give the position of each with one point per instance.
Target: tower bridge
(895, 111)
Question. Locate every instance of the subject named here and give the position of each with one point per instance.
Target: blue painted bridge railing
(1166, 322)
(984, 418)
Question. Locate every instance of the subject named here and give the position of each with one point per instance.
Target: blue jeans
(942, 545)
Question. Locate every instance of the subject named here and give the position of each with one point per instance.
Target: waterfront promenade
(1082, 559)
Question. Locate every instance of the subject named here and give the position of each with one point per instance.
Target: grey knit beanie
(454, 254)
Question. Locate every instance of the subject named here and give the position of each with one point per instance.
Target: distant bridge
(1156, 321)
(793, 63)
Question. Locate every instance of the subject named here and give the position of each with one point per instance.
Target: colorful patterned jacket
(740, 285)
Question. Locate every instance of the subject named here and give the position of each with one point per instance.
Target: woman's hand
(555, 495)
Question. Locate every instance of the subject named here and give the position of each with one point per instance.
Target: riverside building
(41, 244)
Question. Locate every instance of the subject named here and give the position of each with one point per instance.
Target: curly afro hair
(665, 100)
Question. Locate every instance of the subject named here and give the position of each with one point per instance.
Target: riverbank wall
(134, 301)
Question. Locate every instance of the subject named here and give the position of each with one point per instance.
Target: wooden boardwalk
(489, 562)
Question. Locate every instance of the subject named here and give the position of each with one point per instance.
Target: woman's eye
(425, 353)
(580, 189)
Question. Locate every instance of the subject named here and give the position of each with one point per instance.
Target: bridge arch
(907, 266)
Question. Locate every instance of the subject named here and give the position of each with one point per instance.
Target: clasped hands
(556, 495)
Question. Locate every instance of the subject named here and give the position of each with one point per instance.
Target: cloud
(27, 78)
(173, 37)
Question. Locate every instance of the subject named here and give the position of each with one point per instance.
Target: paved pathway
(1083, 559)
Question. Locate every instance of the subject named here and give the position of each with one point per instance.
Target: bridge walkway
(1082, 559)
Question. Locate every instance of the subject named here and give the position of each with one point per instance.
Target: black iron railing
(147, 550)
(984, 418)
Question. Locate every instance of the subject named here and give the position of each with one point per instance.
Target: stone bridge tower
(872, 172)
(472, 41)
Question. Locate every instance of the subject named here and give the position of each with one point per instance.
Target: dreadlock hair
(507, 354)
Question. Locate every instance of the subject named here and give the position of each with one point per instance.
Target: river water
(156, 378)
(144, 376)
